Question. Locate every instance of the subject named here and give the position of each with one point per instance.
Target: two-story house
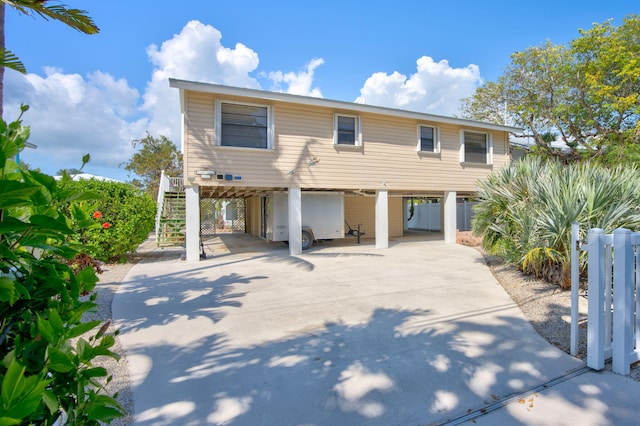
(248, 143)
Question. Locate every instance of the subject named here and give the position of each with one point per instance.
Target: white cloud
(435, 88)
(196, 53)
(70, 116)
(298, 83)
(98, 113)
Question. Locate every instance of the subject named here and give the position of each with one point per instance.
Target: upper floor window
(428, 140)
(346, 130)
(244, 125)
(476, 148)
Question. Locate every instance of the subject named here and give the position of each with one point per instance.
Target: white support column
(449, 217)
(192, 237)
(295, 221)
(382, 219)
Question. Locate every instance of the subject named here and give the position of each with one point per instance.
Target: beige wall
(252, 217)
(361, 210)
(388, 158)
(357, 210)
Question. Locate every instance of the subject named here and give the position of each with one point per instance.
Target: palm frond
(526, 211)
(8, 59)
(74, 18)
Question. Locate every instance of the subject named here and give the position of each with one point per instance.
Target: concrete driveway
(344, 334)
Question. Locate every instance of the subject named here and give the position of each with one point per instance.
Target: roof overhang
(328, 103)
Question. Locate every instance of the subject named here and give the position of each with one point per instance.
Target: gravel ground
(545, 305)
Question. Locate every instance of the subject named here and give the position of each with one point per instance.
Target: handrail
(176, 183)
(165, 182)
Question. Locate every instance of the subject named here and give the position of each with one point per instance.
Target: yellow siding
(252, 216)
(362, 210)
(388, 158)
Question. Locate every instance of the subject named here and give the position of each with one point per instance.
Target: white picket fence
(428, 216)
(614, 275)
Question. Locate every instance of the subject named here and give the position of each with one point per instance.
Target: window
(346, 130)
(476, 148)
(244, 125)
(428, 139)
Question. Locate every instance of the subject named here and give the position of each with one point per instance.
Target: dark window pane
(475, 147)
(244, 126)
(242, 136)
(346, 130)
(426, 139)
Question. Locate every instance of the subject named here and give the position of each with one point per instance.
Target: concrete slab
(419, 333)
(590, 399)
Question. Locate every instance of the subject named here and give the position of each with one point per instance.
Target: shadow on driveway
(417, 334)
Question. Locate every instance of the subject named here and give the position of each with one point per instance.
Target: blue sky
(98, 93)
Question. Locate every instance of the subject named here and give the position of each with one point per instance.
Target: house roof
(328, 103)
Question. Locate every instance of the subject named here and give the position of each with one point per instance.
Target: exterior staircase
(171, 213)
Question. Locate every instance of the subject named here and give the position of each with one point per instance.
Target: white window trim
(358, 141)
(436, 139)
(217, 137)
(489, 148)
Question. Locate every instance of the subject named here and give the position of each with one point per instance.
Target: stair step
(173, 219)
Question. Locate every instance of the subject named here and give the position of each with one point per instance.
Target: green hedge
(127, 215)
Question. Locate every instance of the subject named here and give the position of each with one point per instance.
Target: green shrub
(47, 375)
(127, 212)
(525, 211)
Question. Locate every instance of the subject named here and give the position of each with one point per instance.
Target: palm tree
(525, 211)
(75, 18)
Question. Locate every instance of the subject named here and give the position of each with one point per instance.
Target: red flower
(97, 215)
(106, 225)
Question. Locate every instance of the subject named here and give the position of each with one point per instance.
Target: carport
(381, 225)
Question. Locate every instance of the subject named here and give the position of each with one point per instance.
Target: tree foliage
(587, 92)
(47, 353)
(154, 155)
(74, 18)
(69, 171)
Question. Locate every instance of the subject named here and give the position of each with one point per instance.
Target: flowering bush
(47, 374)
(122, 218)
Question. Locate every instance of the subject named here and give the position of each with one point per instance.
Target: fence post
(623, 270)
(595, 330)
(636, 326)
(575, 284)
